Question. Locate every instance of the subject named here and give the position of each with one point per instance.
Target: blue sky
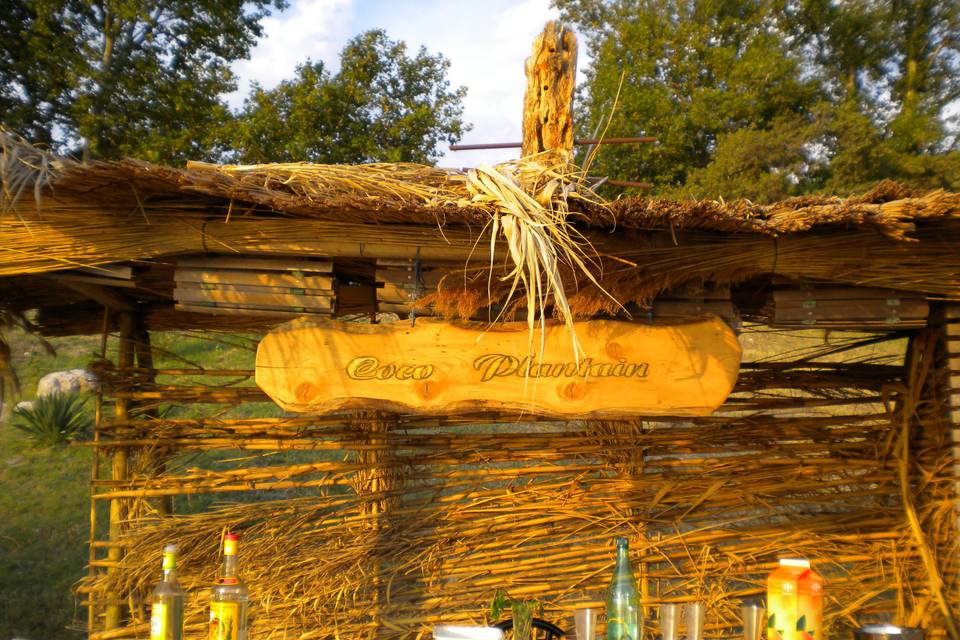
(485, 42)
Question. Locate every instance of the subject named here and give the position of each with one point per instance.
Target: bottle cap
(621, 541)
(795, 562)
(230, 541)
(170, 557)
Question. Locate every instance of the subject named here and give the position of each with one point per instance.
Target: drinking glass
(754, 619)
(693, 614)
(585, 623)
(669, 621)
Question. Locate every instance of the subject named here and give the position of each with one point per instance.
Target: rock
(26, 405)
(72, 381)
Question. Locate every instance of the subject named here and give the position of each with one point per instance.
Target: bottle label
(225, 623)
(158, 621)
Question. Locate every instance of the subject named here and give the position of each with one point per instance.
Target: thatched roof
(418, 194)
(57, 214)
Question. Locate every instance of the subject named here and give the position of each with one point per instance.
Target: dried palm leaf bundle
(530, 199)
(24, 170)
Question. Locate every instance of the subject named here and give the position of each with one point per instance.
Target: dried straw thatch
(393, 524)
(554, 243)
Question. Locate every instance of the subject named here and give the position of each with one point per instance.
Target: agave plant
(55, 419)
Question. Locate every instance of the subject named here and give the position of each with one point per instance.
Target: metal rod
(629, 183)
(579, 141)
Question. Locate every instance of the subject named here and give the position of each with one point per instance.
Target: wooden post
(118, 506)
(548, 102)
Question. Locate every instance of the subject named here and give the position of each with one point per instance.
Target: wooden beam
(104, 295)
(548, 102)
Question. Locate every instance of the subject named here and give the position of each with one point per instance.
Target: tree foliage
(115, 78)
(123, 77)
(769, 98)
(383, 105)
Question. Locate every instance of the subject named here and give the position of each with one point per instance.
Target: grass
(45, 492)
(45, 502)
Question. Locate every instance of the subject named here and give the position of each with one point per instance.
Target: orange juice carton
(794, 602)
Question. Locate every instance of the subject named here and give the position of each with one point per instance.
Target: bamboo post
(376, 480)
(118, 506)
(144, 353)
(94, 477)
(548, 102)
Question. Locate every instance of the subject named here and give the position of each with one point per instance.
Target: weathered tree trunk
(548, 102)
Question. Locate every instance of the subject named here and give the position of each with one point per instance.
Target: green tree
(693, 72)
(123, 77)
(383, 105)
(888, 69)
(761, 165)
(926, 39)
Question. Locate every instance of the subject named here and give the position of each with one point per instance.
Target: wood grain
(434, 367)
(548, 102)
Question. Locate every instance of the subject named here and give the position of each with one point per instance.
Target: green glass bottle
(623, 601)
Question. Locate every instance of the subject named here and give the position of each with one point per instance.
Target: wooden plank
(406, 263)
(236, 311)
(953, 364)
(436, 367)
(114, 271)
(840, 293)
(850, 310)
(77, 276)
(428, 278)
(680, 308)
(237, 277)
(256, 264)
(871, 325)
(254, 300)
(105, 296)
(250, 288)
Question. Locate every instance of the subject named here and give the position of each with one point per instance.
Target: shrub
(55, 419)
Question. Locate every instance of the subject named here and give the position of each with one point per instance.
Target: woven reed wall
(374, 525)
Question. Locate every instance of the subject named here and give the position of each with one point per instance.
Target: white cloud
(315, 29)
(485, 42)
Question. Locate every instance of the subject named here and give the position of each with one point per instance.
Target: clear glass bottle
(166, 610)
(228, 597)
(623, 601)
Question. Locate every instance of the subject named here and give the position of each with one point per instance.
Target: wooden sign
(318, 366)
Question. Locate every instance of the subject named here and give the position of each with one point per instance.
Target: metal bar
(629, 183)
(577, 141)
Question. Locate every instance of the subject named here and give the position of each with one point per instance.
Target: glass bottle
(623, 601)
(166, 610)
(228, 597)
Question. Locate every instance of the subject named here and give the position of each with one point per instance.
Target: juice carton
(794, 602)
